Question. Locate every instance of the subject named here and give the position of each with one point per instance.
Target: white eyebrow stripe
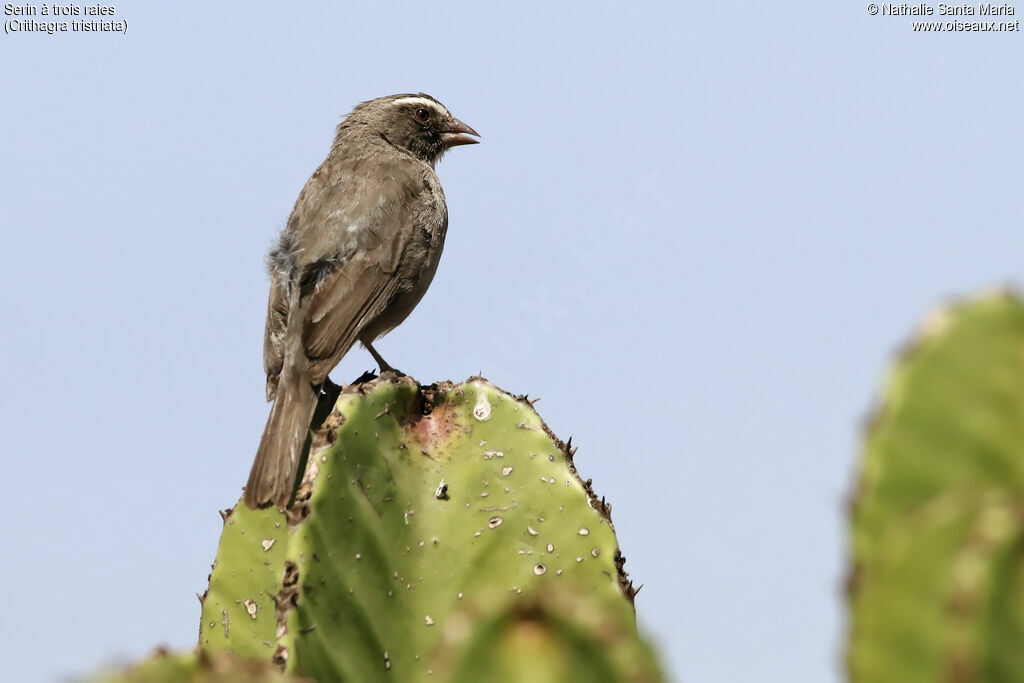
(422, 101)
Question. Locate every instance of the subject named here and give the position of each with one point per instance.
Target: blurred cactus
(201, 667)
(551, 636)
(937, 585)
(425, 512)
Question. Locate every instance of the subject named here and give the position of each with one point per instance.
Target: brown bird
(357, 254)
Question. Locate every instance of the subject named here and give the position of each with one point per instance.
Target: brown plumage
(358, 253)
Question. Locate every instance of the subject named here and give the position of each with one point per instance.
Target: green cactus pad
(416, 501)
(238, 609)
(937, 586)
(550, 637)
(201, 667)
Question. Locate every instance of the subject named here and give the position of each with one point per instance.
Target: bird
(356, 255)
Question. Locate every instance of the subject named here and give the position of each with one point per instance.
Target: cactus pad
(937, 587)
(417, 504)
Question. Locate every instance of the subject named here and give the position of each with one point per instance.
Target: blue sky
(698, 232)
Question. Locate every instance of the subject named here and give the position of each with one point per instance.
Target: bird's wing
(273, 337)
(356, 294)
(354, 289)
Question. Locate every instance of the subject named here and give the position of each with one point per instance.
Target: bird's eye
(422, 115)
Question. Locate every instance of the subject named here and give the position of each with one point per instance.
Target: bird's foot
(385, 368)
(367, 376)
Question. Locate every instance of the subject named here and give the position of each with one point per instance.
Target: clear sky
(697, 230)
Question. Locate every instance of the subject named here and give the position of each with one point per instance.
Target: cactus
(423, 510)
(937, 586)
(550, 637)
(201, 667)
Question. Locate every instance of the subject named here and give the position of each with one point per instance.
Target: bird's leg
(383, 364)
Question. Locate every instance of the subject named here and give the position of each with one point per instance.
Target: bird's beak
(455, 133)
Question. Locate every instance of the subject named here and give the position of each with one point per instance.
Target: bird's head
(418, 124)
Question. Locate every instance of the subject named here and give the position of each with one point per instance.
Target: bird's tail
(272, 477)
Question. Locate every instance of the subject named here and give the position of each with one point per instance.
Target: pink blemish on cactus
(433, 432)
